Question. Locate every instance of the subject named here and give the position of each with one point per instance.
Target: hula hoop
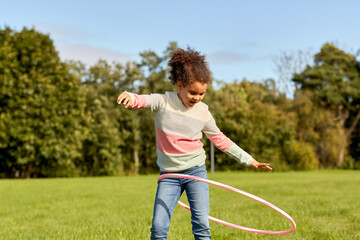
(217, 184)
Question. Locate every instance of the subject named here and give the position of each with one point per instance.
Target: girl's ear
(179, 85)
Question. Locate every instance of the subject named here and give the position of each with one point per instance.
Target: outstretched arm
(153, 101)
(229, 147)
(257, 164)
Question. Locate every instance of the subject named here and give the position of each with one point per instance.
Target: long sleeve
(225, 144)
(153, 101)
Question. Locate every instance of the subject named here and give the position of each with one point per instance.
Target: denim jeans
(168, 193)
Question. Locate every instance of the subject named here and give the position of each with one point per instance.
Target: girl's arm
(135, 101)
(229, 147)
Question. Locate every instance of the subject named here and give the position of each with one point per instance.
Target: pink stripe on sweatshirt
(139, 101)
(221, 141)
(175, 144)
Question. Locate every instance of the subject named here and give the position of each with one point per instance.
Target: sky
(240, 39)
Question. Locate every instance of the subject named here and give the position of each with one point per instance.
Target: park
(81, 159)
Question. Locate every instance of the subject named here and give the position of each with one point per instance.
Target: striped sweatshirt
(179, 130)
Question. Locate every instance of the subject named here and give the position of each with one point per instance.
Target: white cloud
(72, 43)
(60, 32)
(90, 54)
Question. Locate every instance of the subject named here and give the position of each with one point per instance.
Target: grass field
(324, 204)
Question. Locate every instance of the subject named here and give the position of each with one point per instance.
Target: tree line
(61, 118)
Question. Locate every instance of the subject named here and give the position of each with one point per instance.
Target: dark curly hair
(188, 66)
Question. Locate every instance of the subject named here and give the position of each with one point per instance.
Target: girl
(180, 119)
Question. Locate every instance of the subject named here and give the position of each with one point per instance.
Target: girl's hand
(125, 99)
(256, 164)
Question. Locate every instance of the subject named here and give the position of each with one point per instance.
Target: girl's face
(192, 93)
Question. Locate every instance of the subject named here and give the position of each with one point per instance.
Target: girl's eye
(195, 93)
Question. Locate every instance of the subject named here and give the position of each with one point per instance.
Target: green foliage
(335, 78)
(102, 148)
(62, 119)
(334, 84)
(246, 113)
(301, 155)
(317, 127)
(354, 146)
(41, 107)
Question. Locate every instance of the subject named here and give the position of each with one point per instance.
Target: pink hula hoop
(287, 216)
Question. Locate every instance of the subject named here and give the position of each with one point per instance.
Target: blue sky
(239, 38)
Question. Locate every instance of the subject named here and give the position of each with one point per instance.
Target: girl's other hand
(257, 164)
(125, 99)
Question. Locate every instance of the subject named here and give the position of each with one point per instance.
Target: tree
(289, 63)
(248, 114)
(41, 107)
(316, 128)
(103, 148)
(335, 82)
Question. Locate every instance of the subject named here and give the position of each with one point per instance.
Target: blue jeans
(168, 194)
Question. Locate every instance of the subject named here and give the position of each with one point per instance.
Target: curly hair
(188, 66)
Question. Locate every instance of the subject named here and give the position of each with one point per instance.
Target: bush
(301, 156)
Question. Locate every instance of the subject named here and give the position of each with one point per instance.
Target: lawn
(324, 204)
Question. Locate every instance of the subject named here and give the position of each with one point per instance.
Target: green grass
(324, 204)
